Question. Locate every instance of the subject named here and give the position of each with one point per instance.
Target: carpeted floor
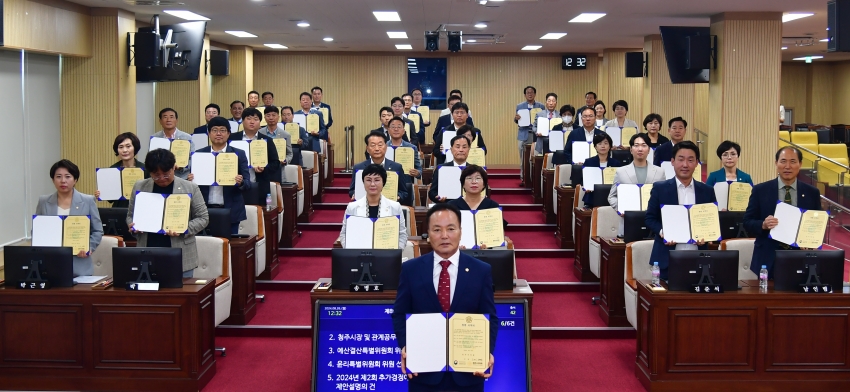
(287, 307)
(545, 269)
(262, 364)
(304, 268)
(565, 309)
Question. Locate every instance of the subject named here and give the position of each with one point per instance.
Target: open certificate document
(367, 233)
(449, 182)
(180, 148)
(454, 342)
(581, 151)
(67, 230)
(213, 168)
(403, 156)
(597, 175)
(733, 196)
(159, 213)
(482, 227)
(804, 229)
(312, 123)
(620, 137)
(632, 197)
(690, 223)
(425, 112)
(116, 183)
(257, 151)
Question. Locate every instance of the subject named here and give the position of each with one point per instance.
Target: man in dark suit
(230, 197)
(759, 215)
(376, 146)
(585, 133)
(386, 114)
(397, 106)
(460, 117)
(460, 151)
(260, 177)
(443, 281)
(589, 102)
(236, 108)
(677, 129)
(318, 94)
(212, 110)
(683, 190)
(446, 120)
(416, 94)
(407, 111)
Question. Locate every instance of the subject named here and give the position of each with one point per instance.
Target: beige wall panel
(822, 85)
(793, 90)
(48, 26)
(126, 77)
(621, 87)
(701, 113)
(841, 93)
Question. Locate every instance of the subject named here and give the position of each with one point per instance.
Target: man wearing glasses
(397, 106)
(217, 196)
(584, 134)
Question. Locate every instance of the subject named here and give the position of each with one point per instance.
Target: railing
(829, 178)
(701, 140)
(349, 149)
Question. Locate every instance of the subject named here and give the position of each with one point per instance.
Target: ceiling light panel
(387, 16)
(240, 34)
(531, 47)
(397, 34)
(553, 36)
(276, 46)
(481, 25)
(587, 17)
(808, 58)
(303, 24)
(404, 47)
(187, 15)
(794, 16)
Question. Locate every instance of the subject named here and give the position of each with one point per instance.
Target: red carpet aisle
(578, 353)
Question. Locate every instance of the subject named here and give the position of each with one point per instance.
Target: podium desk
(566, 196)
(521, 291)
(743, 340)
(244, 266)
(581, 263)
(612, 265)
(272, 261)
(107, 340)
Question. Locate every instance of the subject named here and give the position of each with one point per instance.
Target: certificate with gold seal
(75, 232)
(176, 215)
(454, 342)
(469, 342)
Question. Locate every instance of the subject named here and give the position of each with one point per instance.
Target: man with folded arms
(786, 189)
(217, 196)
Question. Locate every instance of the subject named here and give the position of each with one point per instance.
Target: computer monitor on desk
(687, 267)
(635, 228)
(164, 265)
(732, 225)
(501, 263)
(32, 264)
(114, 222)
(792, 268)
(349, 266)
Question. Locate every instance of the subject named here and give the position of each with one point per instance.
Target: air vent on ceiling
(798, 41)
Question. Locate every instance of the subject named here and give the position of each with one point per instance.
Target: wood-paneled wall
(841, 93)
(660, 94)
(188, 98)
(226, 89)
(88, 129)
(748, 76)
(794, 87)
(618, 86)
(48, 26)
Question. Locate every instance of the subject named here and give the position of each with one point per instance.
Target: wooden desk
(565, 217)
(317, 198)
(290, 210)
(521, 291)
(743, 340)
(526, 165)
(612, 265)
(420, 214)
(427, 175)
(426, 148)
(536, 174)
(329, 178)
(107, 340)
(272, 261)
(308, 196)
(581, 264)
(548, 197)
(242, 306)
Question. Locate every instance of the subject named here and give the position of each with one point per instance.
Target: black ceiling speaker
(432, 41)
(838, 26)
(455, 41)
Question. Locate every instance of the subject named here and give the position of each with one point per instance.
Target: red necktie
(444, 288)
(550, 115)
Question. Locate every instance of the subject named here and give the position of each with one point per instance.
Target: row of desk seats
(604, 225)
(829, 172)
(254, 225)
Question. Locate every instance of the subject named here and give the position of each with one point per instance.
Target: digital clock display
(574, 61)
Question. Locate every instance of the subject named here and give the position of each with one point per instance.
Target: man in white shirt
(460, 151)
(231, 197)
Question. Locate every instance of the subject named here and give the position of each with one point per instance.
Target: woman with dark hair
(473, 180)
(125, 146)
(600, 109)
(67, 201)
(604, 158)
(652, 125)
(374, 205)
(728, 152)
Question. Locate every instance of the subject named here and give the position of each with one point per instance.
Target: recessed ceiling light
(809, 58)
(328, 39)
(824, 40)
(397, 34)
(403, 47)
(188, 15)
(481, 25)
(587, 17)
(784, 48)
(303, 24)
(531, 47)
(471, 40)
(794, 16)
(553, 36)
(387, 16)
(411, 59)
(240, 34)
(276, 46)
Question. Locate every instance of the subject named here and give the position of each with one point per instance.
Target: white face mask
(567, 118)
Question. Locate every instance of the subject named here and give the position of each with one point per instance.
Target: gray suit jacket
(522, 132)
(81, 204)
(280, 133)
(627, 175)
(182, 172)
(198, 219)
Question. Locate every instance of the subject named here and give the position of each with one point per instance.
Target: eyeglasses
(729, 155)
(474, 179)
(583, 116)
(162, 177)
(219, 131)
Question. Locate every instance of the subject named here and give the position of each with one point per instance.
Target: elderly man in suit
(460, 151)
(160, 164)
(585, 133)
(786, 189)
(443, 281)
(640, 171)
(550, 111)
(525, 134)
(68, 201)
(168, 121)
(376, 146)
(683, 190)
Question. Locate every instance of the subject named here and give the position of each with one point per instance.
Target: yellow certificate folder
(454, 342)
(798, 227)
(116, 183)
(425, 112)
(69, 231)
(158, 213)
(687, 224)
(180, 148)
(257, 151)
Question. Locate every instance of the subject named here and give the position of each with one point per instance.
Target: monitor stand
(143, 281)
(813, 284)
(366, 283)
(706, 284)
(34, 281)
(112, 227)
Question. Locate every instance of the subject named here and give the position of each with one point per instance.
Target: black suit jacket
(762, 203)
(440, 156)
(578, 135)
(403, 179)
(203, 129)
(256, 195)
(663, 153)
(233, 197)
(443, 122)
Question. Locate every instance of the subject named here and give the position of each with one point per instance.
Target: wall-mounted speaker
(455, 40)
(146, 49)
(699, 52)
(219, 62)
(634, 64)
(838, 26)
(432, 41)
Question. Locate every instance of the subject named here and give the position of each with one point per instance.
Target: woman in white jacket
(374, 205)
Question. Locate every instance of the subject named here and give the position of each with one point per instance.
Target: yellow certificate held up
(367, 233)
(555, 121)
(608, 175)
(812, 228)
(385, 234)
(129, 176)
(313, 123)
(75, 233)
(226, 169)
(534, 114)
(325, 114)
(280, 146)
(294, 130)
(739, 196)
(632, 197)
(425, 112)
(259, 153)
(627, 134)
(415, 118)
(477, 157)
(469, 342)
(645, 192)
(705, 222)
(407, 129)
(489, 227)
(404, 156)
(390, 190)
(176, 215)
(181, 150)
(457, 342)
